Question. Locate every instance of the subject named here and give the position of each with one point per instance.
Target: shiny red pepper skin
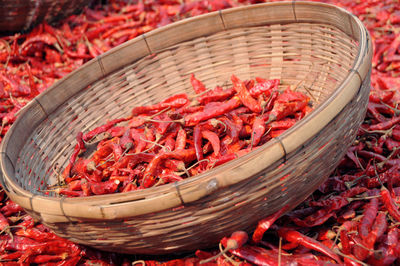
(296, 237)
(371, 210)
(174, 101)
(265, 224)
(212, 110)
(258, 130)
(390, 204)
(245, 96)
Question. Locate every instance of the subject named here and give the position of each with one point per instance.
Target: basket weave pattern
(19, 15)
(324, 58)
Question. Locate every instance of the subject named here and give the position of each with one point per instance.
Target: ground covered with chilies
(353, 218)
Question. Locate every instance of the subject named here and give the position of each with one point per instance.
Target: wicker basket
(21, 15)
(319, 49)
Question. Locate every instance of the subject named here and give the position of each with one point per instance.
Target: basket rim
(99, 207)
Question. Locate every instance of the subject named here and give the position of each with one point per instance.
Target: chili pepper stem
(384, 132)
(370, 250)
(235, 263)
(198, 162)
(181, 121)
(160, 112)
(156, 144)
(280, 251)
(60, 181)
(395, 110)
(222, 252)
(337, 251)
(194, 96)
(350, 184)
(381, 164)
(109, 159)
(363, 198)
(376, 173)
(139, 261)
(358, 161)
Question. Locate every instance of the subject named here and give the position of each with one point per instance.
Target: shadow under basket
(319, 49)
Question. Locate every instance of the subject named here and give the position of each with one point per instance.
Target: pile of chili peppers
(181, 136)
(353, 218)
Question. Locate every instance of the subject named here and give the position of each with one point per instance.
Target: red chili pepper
(296, 237)
(345, 228)
(198, 142)
(337, 202)
(11, 208)
(105, 187)
(264, 87)
(245, 96)
(42, 38)
(36, 234)
(187, 155)
(101, 129)
(314, 219)
(139, 139)
(180, 143)
(258, 130)
(385, 125)
(212, 110)
(389, 203)
(265, 224)
(175, 101)
(12, 256)
(216, 95)
(283, 109)
(17, 243)
(48, 258)
(197, 85)
(213, 139)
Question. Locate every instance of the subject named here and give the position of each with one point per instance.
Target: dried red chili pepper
(265, 224)
(175, 101)
(212, 110)
(296, 237)
(245, 96)
(389, 203)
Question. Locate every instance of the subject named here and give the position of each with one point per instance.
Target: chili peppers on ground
(360, 229)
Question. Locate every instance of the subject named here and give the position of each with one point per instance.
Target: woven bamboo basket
(21, 15)
(318, 49)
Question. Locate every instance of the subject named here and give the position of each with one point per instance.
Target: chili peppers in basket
(142, 154)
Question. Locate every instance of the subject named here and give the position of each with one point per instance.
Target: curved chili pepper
(212, 110)
(180, 142)
(265, 224)
(197, 85)
(385, 125)
(213, 139)
(371, 210)
(149, 174)
(297, 237)
(198, 142)
(264, 87)
(245, 96)
(390, 204)
(11, 208)
(42, 38)
(175, 101)
(337, 202)
(258, 130)
(216, 95)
